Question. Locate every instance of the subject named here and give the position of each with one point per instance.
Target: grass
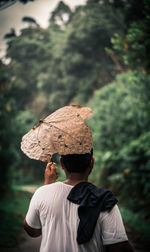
(12, 212)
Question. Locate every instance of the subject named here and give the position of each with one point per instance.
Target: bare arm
(51, 174)
(119, 247)
(33, 232)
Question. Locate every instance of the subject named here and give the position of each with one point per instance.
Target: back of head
(77, 162)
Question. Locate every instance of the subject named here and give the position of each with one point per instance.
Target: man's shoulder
(113, 213)
(49, 187)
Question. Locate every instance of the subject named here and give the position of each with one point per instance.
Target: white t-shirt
(58, 217)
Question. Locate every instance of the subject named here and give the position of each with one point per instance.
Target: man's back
(58, 217)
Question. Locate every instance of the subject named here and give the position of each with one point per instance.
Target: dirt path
(30, 189)
(29, 245)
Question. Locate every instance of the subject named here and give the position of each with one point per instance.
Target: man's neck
(75, 178)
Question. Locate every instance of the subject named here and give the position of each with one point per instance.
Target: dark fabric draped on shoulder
(91, 200)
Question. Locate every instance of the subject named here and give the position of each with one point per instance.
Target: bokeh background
(92, 53)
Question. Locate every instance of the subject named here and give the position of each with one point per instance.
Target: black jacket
(92, 200)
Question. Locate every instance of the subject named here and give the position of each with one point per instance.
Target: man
(53, 214)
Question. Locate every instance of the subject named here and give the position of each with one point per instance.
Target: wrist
(49, 181)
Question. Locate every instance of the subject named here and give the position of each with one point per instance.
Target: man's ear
(62, 164)
(92, 163)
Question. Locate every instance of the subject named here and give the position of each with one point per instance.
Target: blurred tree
(6, 3)
(26, 1)
(31, 21)
(66, 62)
(121, 125)
(132, 9)
(26, 51)
(61, 15)
(133, 45)
(73, 59)
(10, 35)
(8, 131)
(85, 57)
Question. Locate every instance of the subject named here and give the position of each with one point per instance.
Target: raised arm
(32, 224)
(51, 173)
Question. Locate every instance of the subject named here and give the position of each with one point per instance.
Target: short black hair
(77, 162)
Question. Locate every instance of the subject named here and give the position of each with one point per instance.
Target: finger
(49, 165)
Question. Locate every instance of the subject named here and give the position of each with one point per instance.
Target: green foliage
(12, 210)
(61, 15)
(11, 34)
(135, 159)
(7, 130)
(135, 220)
(133, 45)
(87, 38)
(26, 52)
(132, 9)
(121, 127)
(72, 56)
(29, 20)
